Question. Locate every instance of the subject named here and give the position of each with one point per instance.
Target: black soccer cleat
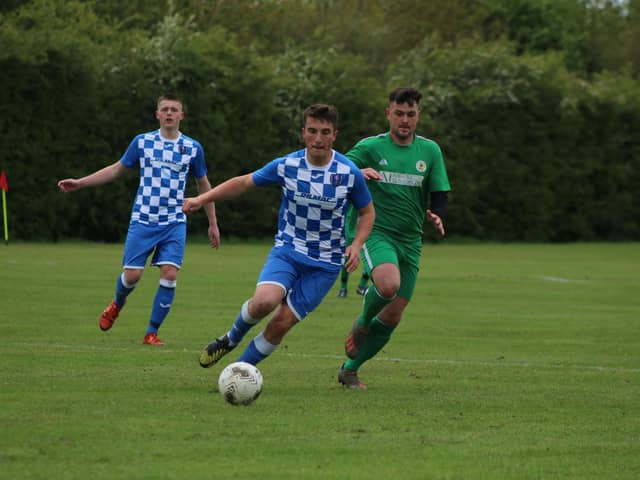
(215, 351)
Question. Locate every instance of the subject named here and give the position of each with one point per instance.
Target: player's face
(169, 114)
(403, 119)
(318, 136)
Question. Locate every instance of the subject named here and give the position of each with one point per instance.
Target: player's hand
(190, 205)
(436, 220)
(214, 236)
(68, 185)
(371, 174)
(352, 258)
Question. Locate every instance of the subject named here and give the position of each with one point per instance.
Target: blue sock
(257, 350)
(242, 325)
(123, 289)
(161, 304)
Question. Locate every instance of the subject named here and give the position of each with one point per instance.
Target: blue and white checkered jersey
(164, 168)
(314, 202)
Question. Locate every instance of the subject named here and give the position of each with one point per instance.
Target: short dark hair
(405, 95)
(321, 111)
(170, 96)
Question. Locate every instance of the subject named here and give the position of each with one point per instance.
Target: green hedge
(535, 152)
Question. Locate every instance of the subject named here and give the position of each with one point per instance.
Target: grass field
(512, 362)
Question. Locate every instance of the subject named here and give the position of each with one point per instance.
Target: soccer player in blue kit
(165, 159)
(318, 185)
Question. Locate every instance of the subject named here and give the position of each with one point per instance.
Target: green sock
(344, 278)
(379, 335)
(373, 304)
(364, 279)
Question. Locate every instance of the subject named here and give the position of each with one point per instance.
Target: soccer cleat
(361, 290)
(109, 315)
(349, 378)
(354, 340)
(342, 293)
(215, 351)
(152, 339)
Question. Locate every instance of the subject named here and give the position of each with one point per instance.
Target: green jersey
(350, 225)
(409, 174)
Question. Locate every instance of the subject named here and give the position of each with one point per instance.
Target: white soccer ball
(240, 383)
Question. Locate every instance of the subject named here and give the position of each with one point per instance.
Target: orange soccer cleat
(152, 339)
(109, 315)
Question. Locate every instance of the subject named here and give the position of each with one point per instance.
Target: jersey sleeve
(131, 157)
(198, 165)
(360, 195)
(438, 179)
(268, 174)
(358, 155)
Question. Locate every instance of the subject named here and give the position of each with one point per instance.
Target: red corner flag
(3, 182)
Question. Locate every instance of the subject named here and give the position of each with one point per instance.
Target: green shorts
(382, 248)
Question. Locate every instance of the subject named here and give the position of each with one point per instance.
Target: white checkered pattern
(164, 166)
(314, 202)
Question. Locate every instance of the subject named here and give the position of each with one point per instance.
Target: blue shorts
(305, 282)
(168, 241)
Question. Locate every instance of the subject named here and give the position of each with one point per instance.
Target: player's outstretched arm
(102, 176)
(229, 189)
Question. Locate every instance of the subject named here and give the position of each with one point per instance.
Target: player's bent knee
(388, 290)
(260, 308)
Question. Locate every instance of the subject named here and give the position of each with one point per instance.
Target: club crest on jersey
(337, 179)
(421, 166)
(183, 150)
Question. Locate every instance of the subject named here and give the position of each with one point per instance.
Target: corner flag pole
(4, 186)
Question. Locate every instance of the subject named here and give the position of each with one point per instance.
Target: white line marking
(556, 279)
(423, 361)
(563, 280)
(497, 363)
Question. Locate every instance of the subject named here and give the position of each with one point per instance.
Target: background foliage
(535, 103)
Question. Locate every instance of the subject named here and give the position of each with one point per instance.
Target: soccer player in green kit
(407, 178)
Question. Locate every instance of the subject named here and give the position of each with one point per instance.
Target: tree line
(535, 103)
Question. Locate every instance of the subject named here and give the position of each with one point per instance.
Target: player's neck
(316, 162)
(169, 133)
(402, 141)
(319, 161)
